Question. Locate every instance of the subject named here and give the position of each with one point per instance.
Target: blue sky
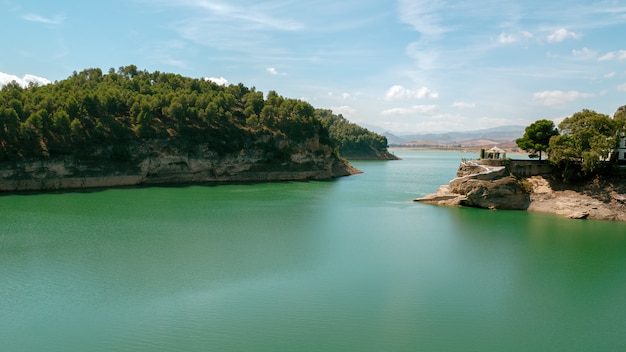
(405, 66)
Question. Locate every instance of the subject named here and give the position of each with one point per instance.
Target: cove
(345, 265)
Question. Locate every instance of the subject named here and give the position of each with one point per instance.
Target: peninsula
(533, 186)
(130, 127)
(583, 178)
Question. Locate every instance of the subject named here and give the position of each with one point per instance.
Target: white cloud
(416, 109)
(24, 81)
(274, 71)
(562, 34)
(56, 20)
(506, 38)
(219, 81)
(619, 55)
(557, 97)
(398, 92)
(463, 105)
(622, 87)
(345, 110)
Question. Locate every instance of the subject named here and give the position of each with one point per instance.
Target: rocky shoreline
(499, 188)
(154, 164)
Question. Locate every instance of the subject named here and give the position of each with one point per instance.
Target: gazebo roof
(496, 150)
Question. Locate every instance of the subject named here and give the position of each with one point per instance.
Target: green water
(345, 265)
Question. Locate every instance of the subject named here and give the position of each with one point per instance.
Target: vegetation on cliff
(353, 140)
(582, 147)
(92, 115)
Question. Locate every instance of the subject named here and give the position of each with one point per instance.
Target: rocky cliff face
(497, 188)
(158, 163)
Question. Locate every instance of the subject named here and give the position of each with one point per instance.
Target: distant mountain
(496, 135)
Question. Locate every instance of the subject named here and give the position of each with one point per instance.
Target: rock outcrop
(481, 187)
(606, 202)
(156, 163)
(500, 193)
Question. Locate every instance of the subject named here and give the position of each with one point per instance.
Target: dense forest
(95, 115)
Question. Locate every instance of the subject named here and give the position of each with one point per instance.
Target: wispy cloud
(613, 55)
(584, 53)
(33, 17)
(259, 16)
(558, 97)
(254, 28)
(423, 16)
(416, 109)
(609, 75)
(463, 105)
(342, 96)
(622, 87)
(399, 92)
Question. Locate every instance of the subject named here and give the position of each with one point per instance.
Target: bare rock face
(574, 204)
(502, 193)
(156, 164)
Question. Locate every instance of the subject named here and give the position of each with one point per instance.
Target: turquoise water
(344, 265)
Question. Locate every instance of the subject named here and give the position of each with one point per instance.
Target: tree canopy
(90, 112)
(536, 137)
(96, 115)
(585, 144)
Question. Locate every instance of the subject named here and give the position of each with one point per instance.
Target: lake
(345, 265)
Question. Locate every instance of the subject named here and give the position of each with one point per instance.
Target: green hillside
(96, 115)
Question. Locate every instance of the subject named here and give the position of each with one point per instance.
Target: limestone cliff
(532, 188)
(156, 162)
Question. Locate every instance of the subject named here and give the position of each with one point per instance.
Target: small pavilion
(495, 153)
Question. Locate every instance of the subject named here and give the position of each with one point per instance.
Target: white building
(621, 150)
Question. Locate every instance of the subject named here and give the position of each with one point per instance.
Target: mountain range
(502, 135)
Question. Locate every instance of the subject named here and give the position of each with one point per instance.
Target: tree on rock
(588, 138)
(536, 137)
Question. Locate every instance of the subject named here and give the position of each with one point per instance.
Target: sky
(405, 66)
